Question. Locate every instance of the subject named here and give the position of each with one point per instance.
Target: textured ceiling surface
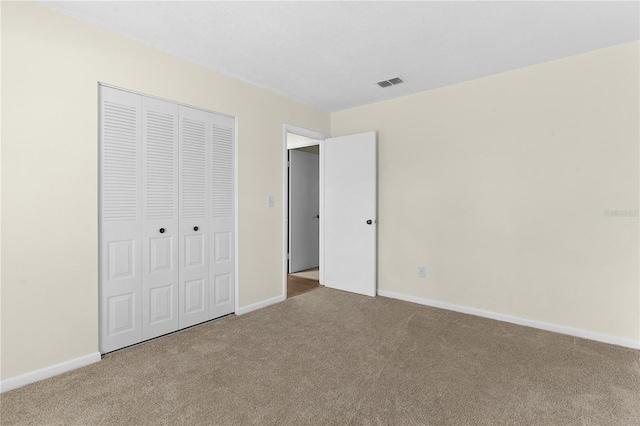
(331, 54)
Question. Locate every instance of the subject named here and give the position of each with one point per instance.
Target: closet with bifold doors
(167, 243)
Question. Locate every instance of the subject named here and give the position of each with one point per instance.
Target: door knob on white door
(369, 222)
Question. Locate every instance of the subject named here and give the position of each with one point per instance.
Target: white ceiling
(330, 54)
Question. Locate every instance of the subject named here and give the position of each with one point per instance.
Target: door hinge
(288, 256)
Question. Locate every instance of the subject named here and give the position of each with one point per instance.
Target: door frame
(318, 139)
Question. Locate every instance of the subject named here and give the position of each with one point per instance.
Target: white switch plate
(422, 272)
(270, 201)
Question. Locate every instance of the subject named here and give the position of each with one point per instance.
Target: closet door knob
(369, 222)
(195, 228)
(162, 230)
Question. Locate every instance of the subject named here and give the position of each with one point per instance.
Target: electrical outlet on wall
(270, 201)
(422, 272)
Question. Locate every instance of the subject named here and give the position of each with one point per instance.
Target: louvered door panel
(222, 250)
(120, 225)
(222, 166)
(160, 232)
(195, 137)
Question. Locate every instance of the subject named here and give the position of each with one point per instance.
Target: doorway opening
(303, 211)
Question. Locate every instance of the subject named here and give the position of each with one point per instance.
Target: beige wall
(499, 186)
(51, 65)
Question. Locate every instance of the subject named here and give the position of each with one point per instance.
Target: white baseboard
(515, 320)
(45, 373)
(246, 309)
(63, 367)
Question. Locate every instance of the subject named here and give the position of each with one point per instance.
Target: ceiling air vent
(390, 82)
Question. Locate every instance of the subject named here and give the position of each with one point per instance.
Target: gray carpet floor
(328, 357)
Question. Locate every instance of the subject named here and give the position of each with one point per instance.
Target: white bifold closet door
(120, 221)
(167, 255)
(206, 216)
(195, 132)
(222, 249)
(160, 233)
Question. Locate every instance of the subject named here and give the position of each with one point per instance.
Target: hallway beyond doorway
(302, 282)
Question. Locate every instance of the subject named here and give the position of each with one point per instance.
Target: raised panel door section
(221, 247)
(160, 230)
(195, 141)
(161, 301)
(222, 290)
(120, 260)
(161, 254)
(222, 252)
(121, 314)
(193, 250)
(194, 296)
(120, 220)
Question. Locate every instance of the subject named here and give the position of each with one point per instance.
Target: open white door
(350, 190)
(304, 208)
